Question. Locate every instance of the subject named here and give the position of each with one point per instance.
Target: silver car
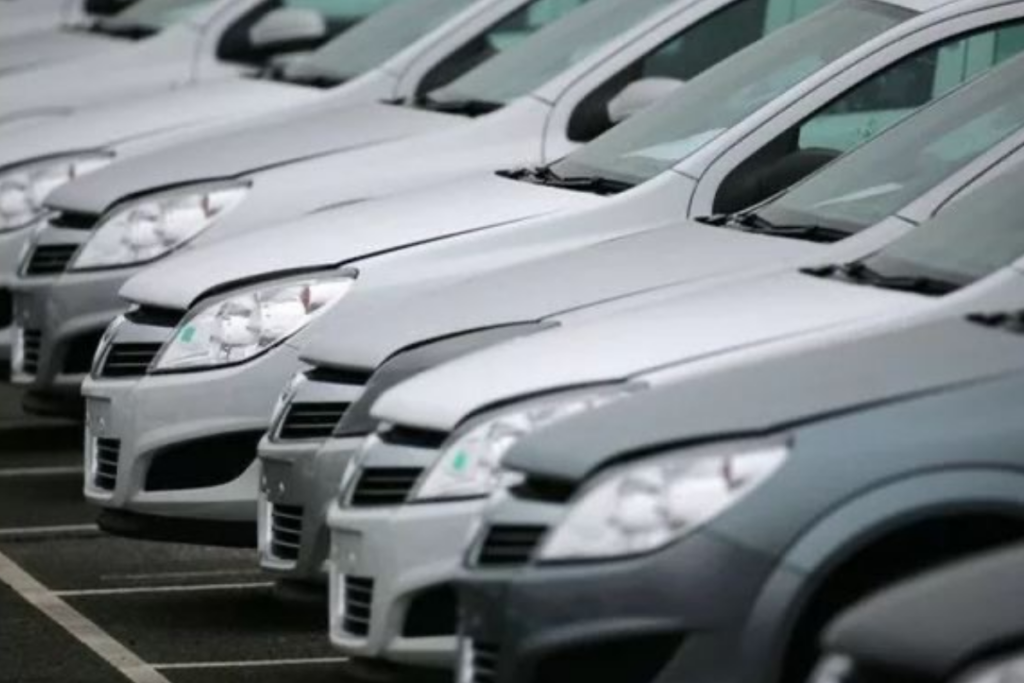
(419, 486)
(125, 406)
(414, 45)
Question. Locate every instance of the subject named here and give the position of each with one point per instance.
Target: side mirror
(640, 95)
(290, 28)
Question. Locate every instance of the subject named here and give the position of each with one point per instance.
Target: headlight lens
(470, 465)
(24, 189)
(244, 325)
(644, 506)
(1007, 671)
(147, 229)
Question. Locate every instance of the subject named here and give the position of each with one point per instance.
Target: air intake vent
(349, 376)
(32, 344)
(286, 532)
(380, 486)
(358, 605)
(108, 453)
(154, 316)
(485, 663)
(311, 420)
(508, 546)
(413, 436)
(50, 259)
(129, 360)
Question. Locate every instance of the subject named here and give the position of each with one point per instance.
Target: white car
(396, 53)
(422, 481)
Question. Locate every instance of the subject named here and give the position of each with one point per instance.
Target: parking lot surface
(79, 605)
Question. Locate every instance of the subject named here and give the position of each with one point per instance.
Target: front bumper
(677, 614)
(410, 557)
(181, 446)
(299, 480)
(61, 320)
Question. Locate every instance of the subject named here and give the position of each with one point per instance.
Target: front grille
(204, 463)
(432, 613)
(379, 486)
(286, 532)
(485, 663)
(129, 360)
(75, 220)
(311, 420)
(6, 308)
(32, 343)
(108, 452)
(414, 437)
(358, 605)
(507, 546)
(50, 259)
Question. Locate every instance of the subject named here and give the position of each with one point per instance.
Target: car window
(341, 15)
(501, 37)
(546, 54)
(656, 140)
(970, 239)
(151, 15)
(864, 111)
(882, 176)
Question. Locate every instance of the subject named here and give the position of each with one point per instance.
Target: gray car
(710, 530)
(358, 352)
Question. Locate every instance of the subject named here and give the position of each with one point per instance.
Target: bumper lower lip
(152, 527)
(698, 592)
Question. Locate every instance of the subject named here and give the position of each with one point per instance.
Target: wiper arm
(754, 223)
(466, 107)
(1011, 322)
(863, 274)
(543, 175)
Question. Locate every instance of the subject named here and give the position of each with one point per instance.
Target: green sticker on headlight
(188, 334)
(460, 462)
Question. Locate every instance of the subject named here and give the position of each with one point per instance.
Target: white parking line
(258, 663)
(81, 628)
(63, 530)
(181, 575)
(26, 472)
(89, 592)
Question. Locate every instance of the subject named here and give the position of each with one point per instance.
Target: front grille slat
(311, 420)
(108, 452)
(379, 486)
(129, 360)
(506, 546)
(358, 605)
(485, 663)
(32, 343)
(50, 259)
(286, 531)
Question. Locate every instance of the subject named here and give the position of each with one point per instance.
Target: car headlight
(146, 229)
(470, 465)
(24, 188)
(243, 325)
(644, 506)
(1006, 671)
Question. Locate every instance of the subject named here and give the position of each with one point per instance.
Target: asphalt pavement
(78, 605)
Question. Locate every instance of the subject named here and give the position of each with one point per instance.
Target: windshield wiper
(1011, 322)
(123, 30)
(759, 225)
(863, 274)
(543, 175)
(466, 107)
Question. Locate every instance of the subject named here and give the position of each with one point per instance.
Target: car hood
(339, 236)
(283, 139)
(682, 252)
(773, 392)
(592, 348)
(134, 119)
(49, 47)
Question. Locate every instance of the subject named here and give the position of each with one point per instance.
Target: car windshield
(541, 57)
(971, 238)
(374, 41)
(149, 16)
(880, 177)
(656, 140)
